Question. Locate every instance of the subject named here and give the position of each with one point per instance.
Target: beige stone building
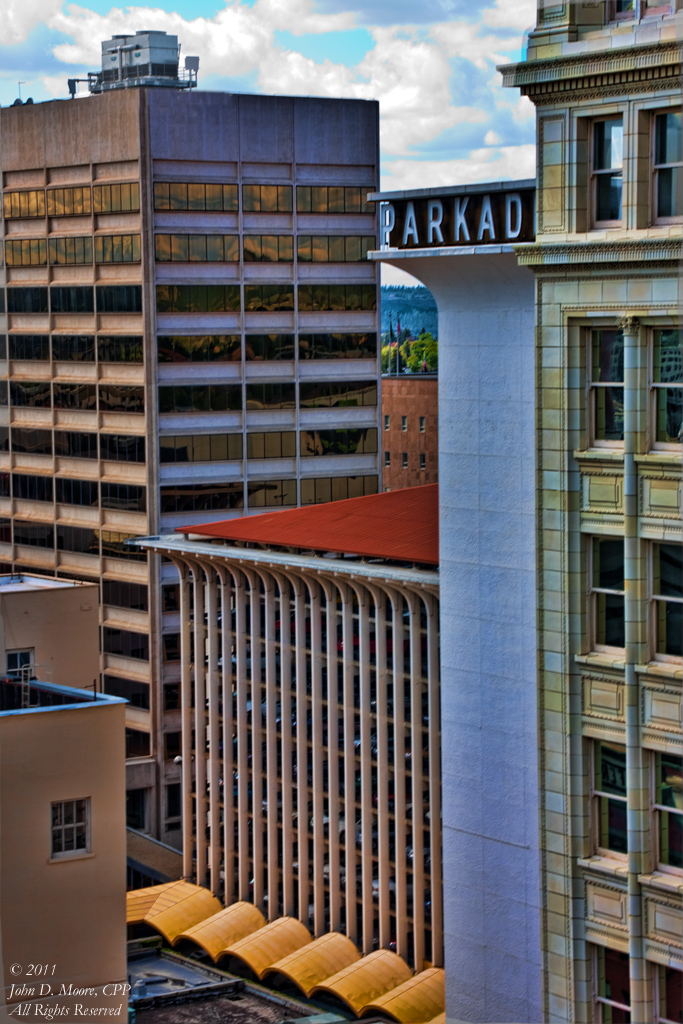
(62, 851)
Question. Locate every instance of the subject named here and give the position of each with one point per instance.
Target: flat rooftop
(398, 526)
(22, 582)
(19, 697)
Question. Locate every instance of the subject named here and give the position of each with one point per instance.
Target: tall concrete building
(188, 329)
(561, 547)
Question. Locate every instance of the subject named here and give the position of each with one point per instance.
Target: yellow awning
(224, 928)
(416, 1001)
(265, 947)
(366, 980)
(175, 907)
(320, 959)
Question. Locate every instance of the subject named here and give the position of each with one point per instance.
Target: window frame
(657, 971)
(657, 811)
(655, 386)
(423, 461)
(60, 855)
(598, 1000)
(595, 173)
(655, 167)
(591, 393)
(387, 460)
(592, 591)
(595, 795)
(653, 600)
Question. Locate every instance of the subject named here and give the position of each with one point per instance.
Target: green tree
(424, 352)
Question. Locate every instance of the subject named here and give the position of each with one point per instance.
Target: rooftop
(399, 526)
(22, 582)
(19, 696)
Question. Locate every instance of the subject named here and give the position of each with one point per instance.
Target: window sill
(665, 669)
(661, 455)
(605, 866)
(664, 882)
(68, 858)
(602, 660)
(600, 455)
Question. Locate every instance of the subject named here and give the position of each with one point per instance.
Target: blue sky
(444, 116)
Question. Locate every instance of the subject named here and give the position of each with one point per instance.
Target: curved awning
(225, 928)
(263, 948)
(170, 908)
(320, 959)
(417, 1001)
(368, 979)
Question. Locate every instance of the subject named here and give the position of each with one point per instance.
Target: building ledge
(670, 884)
(599, 455)
(604, 866)
(667, 670)
(601, 660)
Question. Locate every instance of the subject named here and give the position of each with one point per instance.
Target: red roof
(398, 525)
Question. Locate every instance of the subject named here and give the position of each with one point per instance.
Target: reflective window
(667, 592)
(608, 158)
(32, 488)
(75, 396)
(117, 249)
(271, 493)
(199, 348)
(117, 198)
(667, 387)
(4, 439)
(27, 300)
(138, 743)
(609, 794)
(200, 448)
(613, 999)
(171, 646)
(73, 347)
(669, 1000)
(324, 394)
(313, 297)
(338, 442)
(22, 205)
(3, 346)
(337, 346)
(268, 248)
(270, 298)
(606, 386)
(197, 248)
(70, 250)
(35, 535)
(29, 346)
(115, 545)
(76, 492)
(334, 248)
(267, 198)
(68, 202)
(77, 539)
(271, 396)
(200, 398)
(193, 196)
(333, 199)
(268, 347)
(607, 592)
(668, 165)
(120, 348)
(669, 807)
(27, 252)
(336, 488)
(272, 444)
(213, 298)
(37, 442)
(35, 393)
(70, 832)
(135, 692)
(71, 299)
(119, 298)
(121, 398)
(125, 643)
(123, 497)
(201, 497)
(74, 445)
(122, 448)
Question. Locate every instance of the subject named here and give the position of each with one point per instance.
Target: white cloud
(508, 163)
(520, 15)
(20, 17)
(491, 138)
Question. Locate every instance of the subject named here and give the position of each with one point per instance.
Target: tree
(424, 354)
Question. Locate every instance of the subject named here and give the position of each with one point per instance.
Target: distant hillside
(415, 307)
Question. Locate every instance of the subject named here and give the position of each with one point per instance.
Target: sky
(444, 117)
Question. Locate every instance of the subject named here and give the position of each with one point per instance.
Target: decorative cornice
(540, 254)
(628, 324)
(600, 63)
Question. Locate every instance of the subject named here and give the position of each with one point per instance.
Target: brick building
(410, 430)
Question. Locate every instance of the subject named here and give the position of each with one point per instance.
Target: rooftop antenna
(20, 85)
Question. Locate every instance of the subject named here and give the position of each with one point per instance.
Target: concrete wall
(488, 631)
(68, 912)
(61, 624)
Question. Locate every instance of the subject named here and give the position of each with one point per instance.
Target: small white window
(70, 828)
(20, 664)
(404, 460)
(422, 424)
(404, 423)
(386, 422)
(423, 461)
(387, 458)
